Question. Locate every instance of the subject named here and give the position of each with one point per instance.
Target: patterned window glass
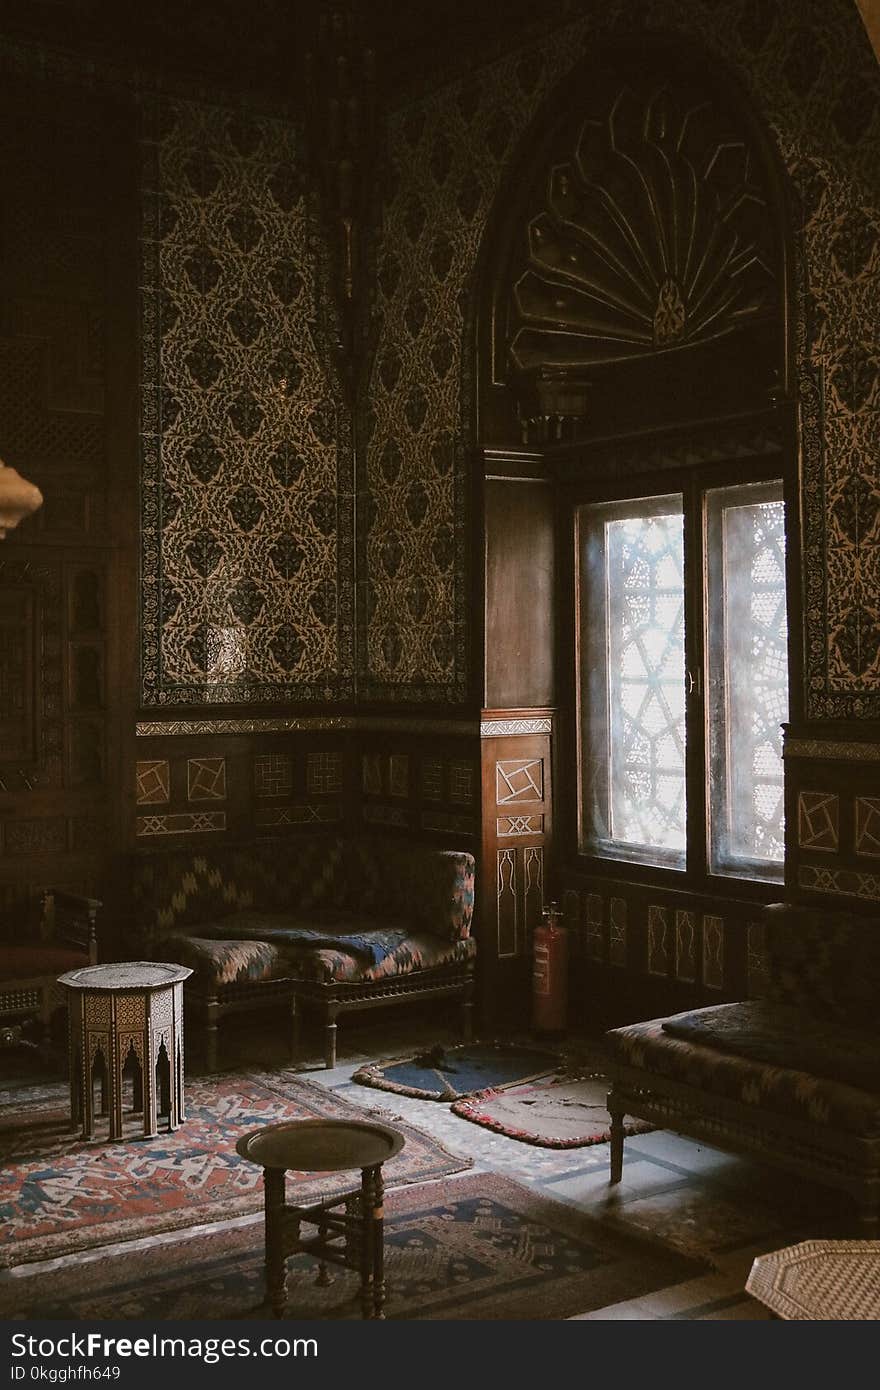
(748, 678)
(633, 679)
(719, 808)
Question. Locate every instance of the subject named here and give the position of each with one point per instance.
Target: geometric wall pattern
(323, 773)
(519, 779)
(205, 779)
(685, 945)
(818, 820)
(713, 951)
(867, 839)
(812, 76)
(153, 781)
(273, 774)
(658, 941)
(246, 494)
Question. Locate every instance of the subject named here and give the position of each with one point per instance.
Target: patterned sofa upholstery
(339, 922)
(793, 1077)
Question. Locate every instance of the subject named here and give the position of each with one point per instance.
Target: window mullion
(695, 666)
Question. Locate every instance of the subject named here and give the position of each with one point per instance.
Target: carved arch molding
(641, 279)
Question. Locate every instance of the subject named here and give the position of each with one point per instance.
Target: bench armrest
(71, 917)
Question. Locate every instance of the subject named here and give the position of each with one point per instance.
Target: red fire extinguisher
(550, 973)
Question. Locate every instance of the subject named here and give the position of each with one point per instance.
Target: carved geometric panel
(206, 779)
(868, 826)
(273, 774)
(371, 774)
(519, 780)
(685, 946)
(432, 779)
(758, 963)
(818, 821)
(153, 781)
(617, 938)
(850, 883)
(659, 954)
(276, 817)
(507, 903)
(533, 886)
(398, 774)
(323, 773)
(713, 952)
(506, 826)
(461, 781)
(42, 835)
(594, 931)
(182, 823)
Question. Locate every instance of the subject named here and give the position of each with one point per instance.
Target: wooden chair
(30, 966)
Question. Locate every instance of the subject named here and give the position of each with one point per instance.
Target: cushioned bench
(793, 1078)
(341, 923)
(31, 963)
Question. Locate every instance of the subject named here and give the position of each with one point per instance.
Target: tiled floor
(674, 1191)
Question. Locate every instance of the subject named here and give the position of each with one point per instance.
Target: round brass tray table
(350, 1226)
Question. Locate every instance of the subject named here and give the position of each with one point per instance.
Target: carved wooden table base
(349, 1228)
(126, 1015)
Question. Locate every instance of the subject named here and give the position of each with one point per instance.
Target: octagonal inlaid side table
(825, 1280)
(118, 1012)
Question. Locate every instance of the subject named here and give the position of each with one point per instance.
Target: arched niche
(634, 275)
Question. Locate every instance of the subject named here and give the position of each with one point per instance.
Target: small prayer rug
(446, 1073)
(554, 1113)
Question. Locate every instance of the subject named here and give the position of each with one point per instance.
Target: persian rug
(475, 1247)
(446, 1073)
(59, 1193)
(554, 1113)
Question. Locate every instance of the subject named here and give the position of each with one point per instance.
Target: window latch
(692, 682)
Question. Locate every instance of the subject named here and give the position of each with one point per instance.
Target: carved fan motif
(655, 235)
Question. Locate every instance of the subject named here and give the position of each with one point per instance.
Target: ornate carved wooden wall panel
(424, 783)
(58, 663)
(253, 781)
(513, 882)
(833, 814)
(645, 264)
(636, 949)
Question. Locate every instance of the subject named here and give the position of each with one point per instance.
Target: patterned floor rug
(476, 1247)
(446, 1073)
(554, 1112)
(60, 1194)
